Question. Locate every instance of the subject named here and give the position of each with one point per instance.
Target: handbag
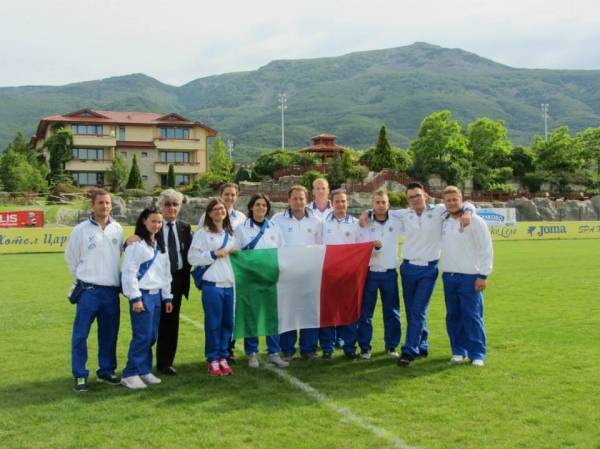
(75, 293)
(199, 270)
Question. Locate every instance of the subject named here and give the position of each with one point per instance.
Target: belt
(150, 292)
(418, 263)
(89, 285)
(383, 270)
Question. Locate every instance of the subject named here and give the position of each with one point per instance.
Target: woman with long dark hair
(211, 246)
(146, 280)
(257, 232)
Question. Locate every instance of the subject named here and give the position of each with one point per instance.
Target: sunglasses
(169, 204)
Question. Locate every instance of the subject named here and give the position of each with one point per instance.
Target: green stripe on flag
(256, 274)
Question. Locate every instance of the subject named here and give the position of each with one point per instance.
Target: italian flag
(282, 289)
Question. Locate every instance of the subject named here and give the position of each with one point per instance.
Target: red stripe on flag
(344, 274)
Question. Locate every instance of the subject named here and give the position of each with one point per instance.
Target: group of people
(155, 275)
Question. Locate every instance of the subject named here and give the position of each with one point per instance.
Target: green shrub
(398, 199)
(134, 193)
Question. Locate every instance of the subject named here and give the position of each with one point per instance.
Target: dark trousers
(168, 330)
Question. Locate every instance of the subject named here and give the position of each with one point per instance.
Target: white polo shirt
(248, 230)
(388, 232)
(203, 244)
(467, 250)
(158, 276)
(320, 214)
(303, 232)
(336, 232)
(93, 254)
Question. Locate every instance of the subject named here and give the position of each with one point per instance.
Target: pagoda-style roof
(324, 145)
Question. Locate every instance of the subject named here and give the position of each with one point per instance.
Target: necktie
(172, 244)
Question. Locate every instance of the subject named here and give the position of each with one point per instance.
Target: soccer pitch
(540, 387)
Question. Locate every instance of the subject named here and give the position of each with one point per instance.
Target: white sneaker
(150, 379)
(278, 361)
(133, 383)
(366, 355)
(478, 363)
(457, 360)
(253, 361)
(393, 353)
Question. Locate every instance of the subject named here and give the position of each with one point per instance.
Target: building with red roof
(324, 145)
(158, 140)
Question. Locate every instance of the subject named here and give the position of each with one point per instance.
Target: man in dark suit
(178, 238)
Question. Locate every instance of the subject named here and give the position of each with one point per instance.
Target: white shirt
(320, 214)
(424, 232)
(388, 233)
(158, 276)
(93, 253)
(248, 230)
(303, 232)
(204, 243)
(236, 218)
(165, 231)
(468, 250)
(336, 232)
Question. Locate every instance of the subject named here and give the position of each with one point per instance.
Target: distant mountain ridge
(350, 96)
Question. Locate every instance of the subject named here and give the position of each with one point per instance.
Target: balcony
(181, 168)
(88, 165)
(99, 141)
(179, 144)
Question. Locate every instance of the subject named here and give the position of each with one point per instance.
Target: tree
(441, 148)
(60, 149)
(171, 177)
(116, 175)
(135, 177)
(382, 156)
(220, 164)
(335, 175)
(522, 161)
(17, 174)
(491, 149)
(269, 163)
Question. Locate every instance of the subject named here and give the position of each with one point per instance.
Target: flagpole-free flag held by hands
(282, 289)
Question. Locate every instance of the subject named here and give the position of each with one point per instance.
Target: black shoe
(80, 384)
(405, 360)
(308, 355)
(327, 356)
(168, 370)
(351, 355)
(109, 379)
(231, 357)
(423, 353)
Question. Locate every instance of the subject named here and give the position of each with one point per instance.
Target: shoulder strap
(252, 244)
(145, 266)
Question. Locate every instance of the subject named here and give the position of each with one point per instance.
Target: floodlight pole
(283, 106)
(545, 107)
(230, 148)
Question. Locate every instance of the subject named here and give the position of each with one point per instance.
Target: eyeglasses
(217, 209)
(169, 204)
(415, 196)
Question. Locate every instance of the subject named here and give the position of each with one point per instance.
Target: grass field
(540, 388)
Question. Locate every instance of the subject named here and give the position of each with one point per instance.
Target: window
(180, 180)
(144, 178)
(124, 154)
(144, 155)
(87, 130)
(88, 154)
(174, 156)
(121, 133)
(173, 132)
(88, 178)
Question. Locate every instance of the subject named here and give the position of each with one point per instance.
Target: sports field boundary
(344, 412)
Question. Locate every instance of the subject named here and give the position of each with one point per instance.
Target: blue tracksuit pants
(251, 345)
(308, 341)
(387, 283)
(327, 337)
(464, 315)
(101, 303)
(144, 330)
(418, 283)
(218, 320)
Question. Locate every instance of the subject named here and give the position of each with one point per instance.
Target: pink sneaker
(225, 368)
(214, 369)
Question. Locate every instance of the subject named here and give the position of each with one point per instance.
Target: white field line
(315, 394)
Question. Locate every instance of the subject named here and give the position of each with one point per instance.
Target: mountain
(350, 96)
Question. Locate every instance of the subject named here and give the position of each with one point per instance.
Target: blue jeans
(387, 283)
(144, 330)
(327, 336)
(218, 320)
(464, 315)
(418, 283)
(308, 341)
(101, 303)
(251, 344)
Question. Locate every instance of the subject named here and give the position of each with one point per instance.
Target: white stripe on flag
(299, 287)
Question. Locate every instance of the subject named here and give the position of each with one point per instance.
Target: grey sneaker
(393, 353)
(457, 360)
(253, 361)
(287, 357)
(478, 363)
(150, 379)
(365, 355)
(278, 361)
(133, 382)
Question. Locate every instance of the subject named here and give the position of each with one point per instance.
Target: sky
(63, 41)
